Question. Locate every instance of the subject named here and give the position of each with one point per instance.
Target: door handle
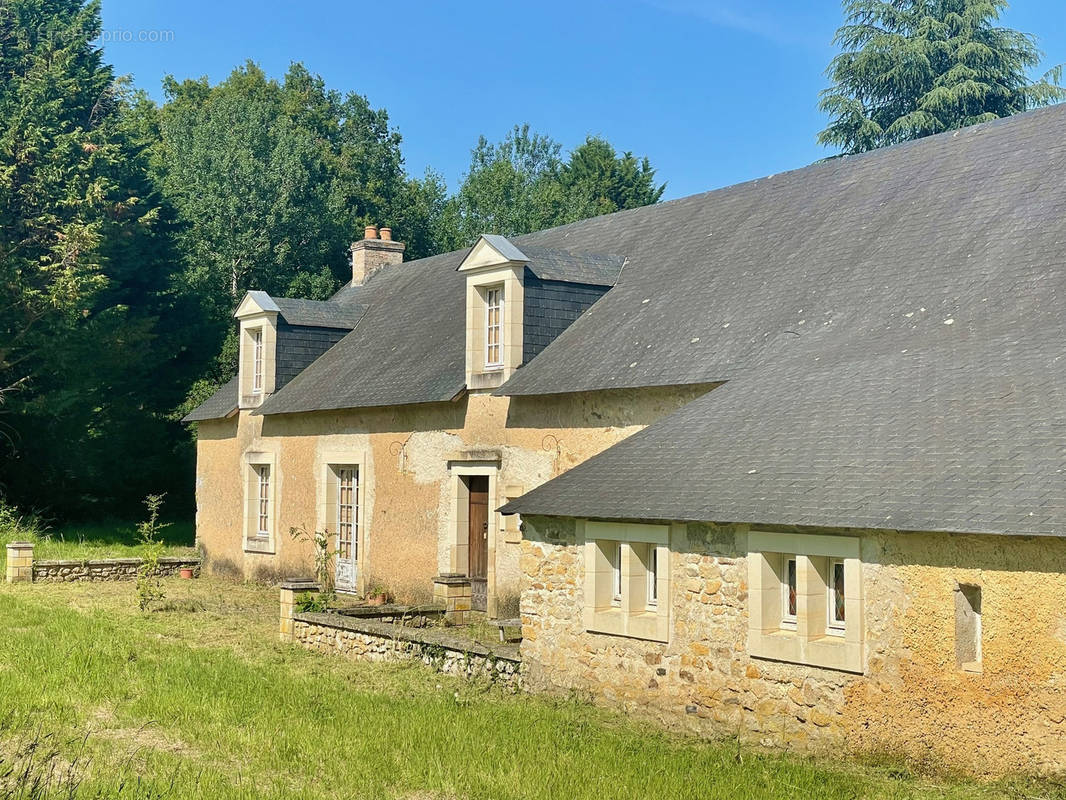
(485, 531)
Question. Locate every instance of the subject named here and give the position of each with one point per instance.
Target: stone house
(788, 456)
(377, 416)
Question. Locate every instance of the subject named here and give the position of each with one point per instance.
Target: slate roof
(711, 279)
(319, 313)
(891, 328)
(409, 346)
(593, 269)
(218, 406)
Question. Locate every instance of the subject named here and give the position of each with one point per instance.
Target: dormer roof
(302, 313)
(492, 251)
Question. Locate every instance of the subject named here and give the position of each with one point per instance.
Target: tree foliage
(84, 263)
(912, 68)
(522, 184)
(599, 181)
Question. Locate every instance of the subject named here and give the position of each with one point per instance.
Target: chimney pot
(372, 254)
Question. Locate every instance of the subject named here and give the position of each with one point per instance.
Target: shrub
(309, 603)
(149, 585)
(323, 555)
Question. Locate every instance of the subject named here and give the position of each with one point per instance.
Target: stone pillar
(289, 592)
(19, 562)
(452, 591)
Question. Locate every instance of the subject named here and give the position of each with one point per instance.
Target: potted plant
(378, 596)
(186, 573)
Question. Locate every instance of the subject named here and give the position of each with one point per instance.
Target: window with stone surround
(258, 345)
(260, 492)
(494, 327)
(805, 599)
(257, 361)
(626, 580)
(262, 472)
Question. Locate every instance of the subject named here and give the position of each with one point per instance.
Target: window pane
(791, 580)
(493, 327)
(653, 575)
(616, 565)
(347, 512)
(257, 368)
(263, 472)
(838, 591)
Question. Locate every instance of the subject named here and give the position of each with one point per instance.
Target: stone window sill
(489, 379)
(258, 545)
(829, 651)
(649, 625)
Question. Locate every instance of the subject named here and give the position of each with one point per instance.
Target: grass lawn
(98, 540)
(201, 700)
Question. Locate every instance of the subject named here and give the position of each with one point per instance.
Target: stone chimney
(373, 253)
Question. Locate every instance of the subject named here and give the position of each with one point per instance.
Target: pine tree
(84, 269)
(912, 68)
(599, 181)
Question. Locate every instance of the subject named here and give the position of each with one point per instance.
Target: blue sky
(713, 91)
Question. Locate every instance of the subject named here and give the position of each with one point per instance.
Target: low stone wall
(371, 640)
(22, 567)
(106, 569)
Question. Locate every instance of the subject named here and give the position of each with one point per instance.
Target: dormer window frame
(257, 318)
(493, 264)
(257, 360)
(495, 338)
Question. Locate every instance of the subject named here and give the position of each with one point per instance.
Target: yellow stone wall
(911, 698)
(407, 489)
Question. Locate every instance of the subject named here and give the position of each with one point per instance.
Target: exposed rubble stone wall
(106, 569)
(365, 640)
(912, 698)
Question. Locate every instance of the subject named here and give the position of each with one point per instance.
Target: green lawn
(98, 540)
(201, 700)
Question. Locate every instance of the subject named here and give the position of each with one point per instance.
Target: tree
(271, 182)
(912, 68)
(522, 185)
(598, 181)
(84, 269)
(512, 187)
(55, 106)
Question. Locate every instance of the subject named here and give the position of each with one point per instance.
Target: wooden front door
(478, 541)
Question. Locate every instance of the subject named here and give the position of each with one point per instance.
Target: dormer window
(257, 368)
(258, 317)
(494, 327)
(495, 270)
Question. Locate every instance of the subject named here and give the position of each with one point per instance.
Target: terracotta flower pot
(186, 573)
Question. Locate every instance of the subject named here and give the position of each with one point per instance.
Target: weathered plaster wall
(407, 488)
(912, 697)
